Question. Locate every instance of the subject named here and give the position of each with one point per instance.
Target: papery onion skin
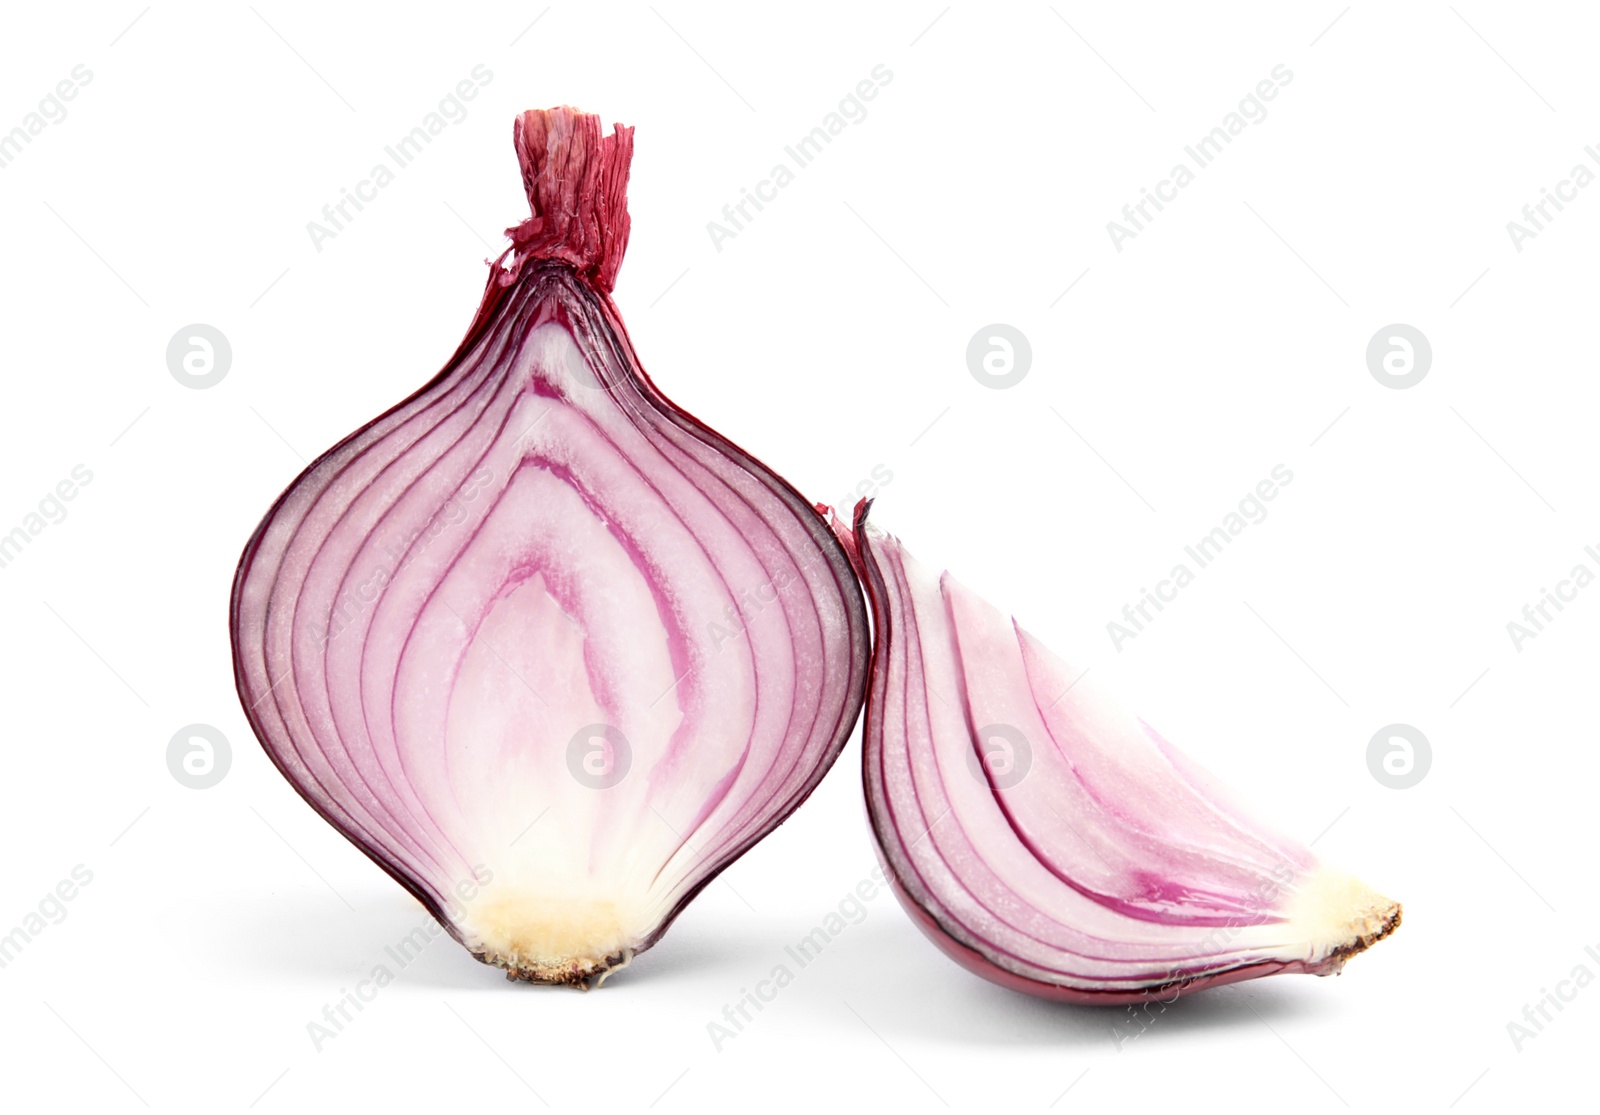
(1111, 870)
(538, 587)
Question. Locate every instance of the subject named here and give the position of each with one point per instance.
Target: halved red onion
(1052, 843)
(545, 647)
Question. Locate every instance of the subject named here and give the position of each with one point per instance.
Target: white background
(830, 335)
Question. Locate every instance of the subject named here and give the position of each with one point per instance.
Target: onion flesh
(1052, 843)
(542, 645)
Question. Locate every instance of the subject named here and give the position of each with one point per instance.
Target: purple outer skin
(590, 279)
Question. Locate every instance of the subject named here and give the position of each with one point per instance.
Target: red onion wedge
(546, 648)
(1054, 844)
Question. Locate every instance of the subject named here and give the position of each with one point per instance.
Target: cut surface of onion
(546, 648)
(1051, 842)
